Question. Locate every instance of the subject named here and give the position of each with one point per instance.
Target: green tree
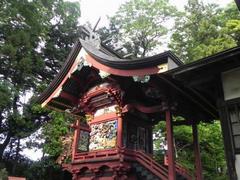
(21, 31)
(231, 21)
(62, 34)
(211, 148)
(35, 37)
(204, 29)
(58, 127)
(140, 25)
(46, 169)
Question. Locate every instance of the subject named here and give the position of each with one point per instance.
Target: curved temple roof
(101, 58)
(128, 64)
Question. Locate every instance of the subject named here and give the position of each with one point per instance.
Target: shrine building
(116, 102)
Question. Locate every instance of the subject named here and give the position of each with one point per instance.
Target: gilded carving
(103, 135)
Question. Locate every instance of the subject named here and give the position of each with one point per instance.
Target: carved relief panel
(83, 141)
(137, 137)
(103, 135)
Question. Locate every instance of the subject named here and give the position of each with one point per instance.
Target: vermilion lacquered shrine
(121, 100)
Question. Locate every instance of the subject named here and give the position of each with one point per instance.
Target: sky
(91, 10)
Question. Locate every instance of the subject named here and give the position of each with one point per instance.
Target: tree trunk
(16, 157)
(4, 145)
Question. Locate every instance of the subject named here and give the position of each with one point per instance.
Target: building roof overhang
(219, 62)
(82, 68)
(128, 64)
(204, 77)
(87, 58)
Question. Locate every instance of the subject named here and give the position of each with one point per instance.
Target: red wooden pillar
(75, 138)
(170, 150)
(120, 132)
(198, 164)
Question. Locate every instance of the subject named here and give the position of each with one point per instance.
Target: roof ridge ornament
(94, 37)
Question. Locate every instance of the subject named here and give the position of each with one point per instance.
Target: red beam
(198, 164)
(170, 150)
(142, 108)
(104, 117)
(62, 104)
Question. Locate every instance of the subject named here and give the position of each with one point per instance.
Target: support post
(120, 132)
(75, 138)
(170, 150)
(198, 164)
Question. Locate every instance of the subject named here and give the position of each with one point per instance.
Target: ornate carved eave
(85, 59)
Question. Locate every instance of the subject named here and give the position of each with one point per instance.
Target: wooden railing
(179, 169)
(183, 171)
(146, 161)
(131, 155)
(97, 154)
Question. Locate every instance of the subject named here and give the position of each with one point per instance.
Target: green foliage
(45, 169)
(140, 24)
(53, 131)
(3, 174)
(211, 148)
(203, 30)
(5, 95)
(61, 36)
(35, 38)
(232, 27)
(21, 31)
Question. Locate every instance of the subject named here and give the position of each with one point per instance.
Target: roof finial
(95, 27)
